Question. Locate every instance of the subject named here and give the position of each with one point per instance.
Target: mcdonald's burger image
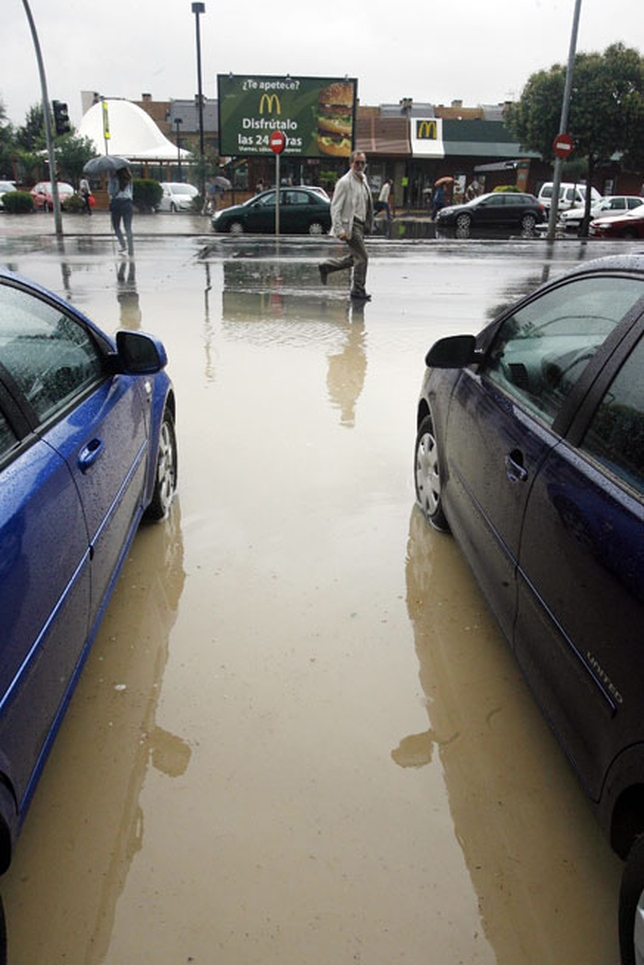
(335, 119)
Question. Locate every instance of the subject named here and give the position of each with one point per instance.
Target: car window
(267, 198)
(8, 438)
(297, 197)
(615, 436)
(51, 357)
(541, 350)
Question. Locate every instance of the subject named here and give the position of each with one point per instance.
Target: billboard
(317, 115)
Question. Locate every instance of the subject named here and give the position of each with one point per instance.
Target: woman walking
(121, 207)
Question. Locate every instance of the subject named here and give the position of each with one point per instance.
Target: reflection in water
(272, 296)
(347, 369)
(87, 821)
(127, 295)
(511, 794)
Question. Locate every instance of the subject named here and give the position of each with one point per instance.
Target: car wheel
(236, 228)
(427, 475)
(463, 222)
(630, 234)
(165, 480)
(316, 228)
(528, 222)
(631, 907)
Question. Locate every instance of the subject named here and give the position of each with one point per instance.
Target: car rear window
(615, 436)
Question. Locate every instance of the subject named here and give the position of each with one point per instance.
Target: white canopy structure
(133, 133)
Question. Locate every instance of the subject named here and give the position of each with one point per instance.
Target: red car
(627, 225)
(41, 193)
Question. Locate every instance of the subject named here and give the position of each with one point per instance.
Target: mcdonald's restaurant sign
(426, 136)
(316, 114)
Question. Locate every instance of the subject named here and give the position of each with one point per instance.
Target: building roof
(132, 133)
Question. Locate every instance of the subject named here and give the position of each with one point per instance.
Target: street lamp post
(51, 154)
(197, 9)
(178, 123)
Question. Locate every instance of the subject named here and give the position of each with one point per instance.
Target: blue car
(530, 450)
(87, 448)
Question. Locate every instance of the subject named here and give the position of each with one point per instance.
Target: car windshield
(182, 189)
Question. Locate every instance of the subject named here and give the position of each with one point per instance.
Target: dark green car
(302, 211)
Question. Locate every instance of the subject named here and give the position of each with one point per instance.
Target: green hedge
(18, 202)
(147, 194)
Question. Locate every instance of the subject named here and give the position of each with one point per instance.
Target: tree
(606, 109)
(6, 140)
(31, 135)
(72, 152)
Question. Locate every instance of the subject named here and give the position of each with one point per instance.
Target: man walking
(351, 217)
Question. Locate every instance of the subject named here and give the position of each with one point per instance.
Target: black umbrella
(105, 164)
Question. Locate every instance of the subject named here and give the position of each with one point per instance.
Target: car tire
(631, 906)
(316, 228)
(428, 475)
(463, 222)
(629, 234)
(236, 228)
(528, 222)
(165, 477)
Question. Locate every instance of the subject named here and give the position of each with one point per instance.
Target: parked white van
(570, 195)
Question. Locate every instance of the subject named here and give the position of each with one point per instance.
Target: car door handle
(514, 468)
(88, 456)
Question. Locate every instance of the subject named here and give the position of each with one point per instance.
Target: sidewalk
(98, 224)
(144, 225)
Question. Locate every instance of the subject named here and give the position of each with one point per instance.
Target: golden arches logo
(272, 104)
(426, 130)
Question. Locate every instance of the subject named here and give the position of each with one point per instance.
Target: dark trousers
(121, 210)
(357, 258)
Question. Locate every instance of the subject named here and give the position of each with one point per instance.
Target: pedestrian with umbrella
(119, 188)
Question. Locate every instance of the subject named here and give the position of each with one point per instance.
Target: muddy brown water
(299, 737)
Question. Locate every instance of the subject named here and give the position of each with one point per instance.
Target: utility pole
(563, 124)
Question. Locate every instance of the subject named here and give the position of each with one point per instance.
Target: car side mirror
(453, 352)
(139, 354)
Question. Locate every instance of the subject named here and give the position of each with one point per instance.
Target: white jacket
(344, 202)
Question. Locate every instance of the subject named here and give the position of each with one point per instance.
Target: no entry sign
(277, 142)
(562, 145)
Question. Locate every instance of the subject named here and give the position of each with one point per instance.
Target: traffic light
(61, 117)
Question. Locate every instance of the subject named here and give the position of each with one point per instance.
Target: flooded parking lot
(299, 737)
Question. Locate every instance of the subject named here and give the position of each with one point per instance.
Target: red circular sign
(562, 145)
(277, 142)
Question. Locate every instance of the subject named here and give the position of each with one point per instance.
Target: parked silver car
(177, 196)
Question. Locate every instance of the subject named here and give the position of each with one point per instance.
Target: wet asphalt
(299, 738)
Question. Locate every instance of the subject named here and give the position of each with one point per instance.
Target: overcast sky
(477, 51)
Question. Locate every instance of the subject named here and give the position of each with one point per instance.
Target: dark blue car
(87, 448)
(530, 449)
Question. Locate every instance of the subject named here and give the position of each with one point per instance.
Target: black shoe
(324, 273)
(360, 296)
